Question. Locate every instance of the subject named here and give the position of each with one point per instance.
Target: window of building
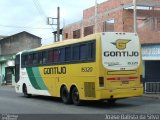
(157, 25)
(66, 35)
(108, 25)
(88, 30)
(77, 33)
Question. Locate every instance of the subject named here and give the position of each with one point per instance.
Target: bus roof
(71, 41)
(65, 42)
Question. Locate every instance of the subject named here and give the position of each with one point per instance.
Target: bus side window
(24, 60)
(50, 56)
(40, 58)
(75, 53)
(44, 57)
(68, 54)
(17, 68)
(83, 52)
(30, 59)
(62, 55)
(55, 55)
(35, 59)
(91, 51)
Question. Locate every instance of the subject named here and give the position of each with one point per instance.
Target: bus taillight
(123, 78)
(101, 81)
(141, 79)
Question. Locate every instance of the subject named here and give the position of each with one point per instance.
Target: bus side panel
(33, 81)
(79, 75)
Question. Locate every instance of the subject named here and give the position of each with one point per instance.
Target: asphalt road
(13, 103)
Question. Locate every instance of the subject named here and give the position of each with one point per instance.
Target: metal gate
(152, 87)
(152, 73)
(9, 71)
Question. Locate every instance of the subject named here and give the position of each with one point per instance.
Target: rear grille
(89, 89)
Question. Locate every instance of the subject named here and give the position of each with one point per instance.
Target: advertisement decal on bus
(120, 52)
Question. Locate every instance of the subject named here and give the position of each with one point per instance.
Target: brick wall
(70, 28)
(123, 19)
(103, 7)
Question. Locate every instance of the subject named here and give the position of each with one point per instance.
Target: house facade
(9, 47)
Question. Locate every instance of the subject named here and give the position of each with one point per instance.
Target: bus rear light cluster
(123, 78)
(141, 79)
(101, 81)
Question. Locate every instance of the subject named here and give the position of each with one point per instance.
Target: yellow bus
(101, 66)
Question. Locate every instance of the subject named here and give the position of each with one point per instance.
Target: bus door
(17, 68)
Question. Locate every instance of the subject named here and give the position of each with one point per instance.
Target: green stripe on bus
(38, 78)
(32, 78)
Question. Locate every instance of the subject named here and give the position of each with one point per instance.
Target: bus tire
(65, 96)
(111, 101)
(75, 96)
(25, 92)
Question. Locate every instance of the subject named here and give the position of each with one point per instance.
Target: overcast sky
(30, 15)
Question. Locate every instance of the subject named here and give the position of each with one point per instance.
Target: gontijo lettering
(55, 70)
(121, 53)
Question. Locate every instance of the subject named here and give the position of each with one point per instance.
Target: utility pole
(58, 24)
(135, 16)
(95, 19)
(51, 21)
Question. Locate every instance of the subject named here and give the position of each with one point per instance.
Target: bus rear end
(122, 65)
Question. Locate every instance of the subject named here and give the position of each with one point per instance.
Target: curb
(5, 86)
(154, 96)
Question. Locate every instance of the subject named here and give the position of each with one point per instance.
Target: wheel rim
(75, 96)
(25, 90)
(64, 94)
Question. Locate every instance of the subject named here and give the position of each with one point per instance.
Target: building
(1, 37)
(117, 16)
(11, 45)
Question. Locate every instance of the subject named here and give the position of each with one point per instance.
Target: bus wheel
(75, 96)
(65, 96)
(25, 91)
(111, 101)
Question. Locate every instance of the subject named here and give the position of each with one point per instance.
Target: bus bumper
(17, 88)
(119, 93)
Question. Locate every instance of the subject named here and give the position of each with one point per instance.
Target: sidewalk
(155, 96)
(10, 86)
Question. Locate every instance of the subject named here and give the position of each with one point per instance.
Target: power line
(22, 27)
(41, 12)
(39, 8)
